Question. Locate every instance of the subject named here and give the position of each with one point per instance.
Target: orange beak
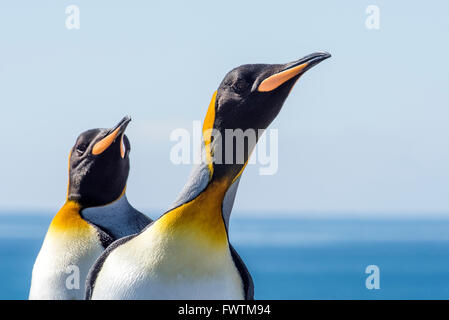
(291, 70)
(106, 142)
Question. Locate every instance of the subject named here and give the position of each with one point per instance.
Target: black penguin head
(250, 97)
(99, 165)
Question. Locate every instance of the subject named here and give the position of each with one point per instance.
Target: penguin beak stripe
(104, 143)
(122, 147)
(274, 81)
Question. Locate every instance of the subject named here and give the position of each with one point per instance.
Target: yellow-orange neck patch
(208, 127)
(241, 171)
(201, 218)
(68, 218)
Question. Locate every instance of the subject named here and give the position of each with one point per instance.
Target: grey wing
(248, 284)
(98, 264)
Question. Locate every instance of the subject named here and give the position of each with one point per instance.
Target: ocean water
(292, 258)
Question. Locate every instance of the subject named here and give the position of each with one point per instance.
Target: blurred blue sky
(365, 131)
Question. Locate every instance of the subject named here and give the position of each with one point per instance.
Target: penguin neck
(75, 214)
(197, 183)
(202, 173)
(88, 195)
(201, 218)
(113, 218)
(68, 218)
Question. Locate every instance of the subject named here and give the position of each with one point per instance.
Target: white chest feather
(153, 267)
(61, 267)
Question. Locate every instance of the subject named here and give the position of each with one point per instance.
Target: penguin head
(99, 165)
(249, 97)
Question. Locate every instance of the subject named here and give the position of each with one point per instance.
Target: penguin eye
(239, 86)
(81, 148)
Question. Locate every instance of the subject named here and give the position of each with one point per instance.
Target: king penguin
(186, 254)
(96, 213)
